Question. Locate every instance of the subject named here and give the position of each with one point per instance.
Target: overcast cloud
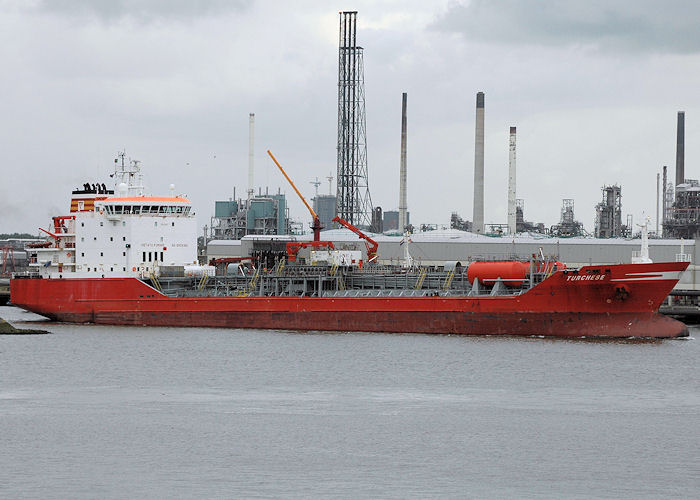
(141, 11)
(609, 25)
(593, 88)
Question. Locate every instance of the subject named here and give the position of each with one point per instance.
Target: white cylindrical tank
(199, 271)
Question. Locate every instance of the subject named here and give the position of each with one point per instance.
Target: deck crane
(293, 247)
(371, 244)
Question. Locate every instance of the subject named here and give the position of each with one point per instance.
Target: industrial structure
(391, 221)
(478, 213)
(377, 225)
(683, 218)
(251, 154)
(681, 213)
(680, 148)
(403, 207)
(324, 206)
(261, 214)
(568, 225)
(512, 209)
(353, 198)
(608, 213)
(456, 222)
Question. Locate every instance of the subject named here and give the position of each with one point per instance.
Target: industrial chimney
(658, 180)
(680, 149)
(512, 227)
(402, 179)
(251, 156)
(478, 216)
(663, 201)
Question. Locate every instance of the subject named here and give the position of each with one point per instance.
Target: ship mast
(129, 174)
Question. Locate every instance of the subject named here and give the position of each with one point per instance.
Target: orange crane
(317, 222)
(293, 247)
(372, 245)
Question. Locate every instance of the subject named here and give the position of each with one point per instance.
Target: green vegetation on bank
(17, 236)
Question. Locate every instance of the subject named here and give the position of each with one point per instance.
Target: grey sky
(642, 25)
(593, 88)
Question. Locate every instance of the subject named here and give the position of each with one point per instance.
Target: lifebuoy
(68, 254)
(133, 269)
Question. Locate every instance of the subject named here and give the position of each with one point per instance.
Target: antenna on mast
(316, 184)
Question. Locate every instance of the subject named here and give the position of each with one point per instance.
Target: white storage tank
(198, 271)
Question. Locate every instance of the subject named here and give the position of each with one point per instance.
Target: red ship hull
(594, 301)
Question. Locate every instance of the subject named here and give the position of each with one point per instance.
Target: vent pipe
(251, 156)
(402, 179)
(478, 215)
(512, 227)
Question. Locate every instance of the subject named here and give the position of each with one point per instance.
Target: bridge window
(161, 256)
(144, 256)
(117, 209)
(162, 210)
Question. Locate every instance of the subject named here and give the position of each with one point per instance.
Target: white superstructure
(128, 235)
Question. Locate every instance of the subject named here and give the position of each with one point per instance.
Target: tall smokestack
(680, 149)
(402, 179)
(657, 203)
(251, 156)
(512, 227)
(478, 222)
(663, 200)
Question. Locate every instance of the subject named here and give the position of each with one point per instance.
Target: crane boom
(317, 222)
(313, 214)
(372, 245)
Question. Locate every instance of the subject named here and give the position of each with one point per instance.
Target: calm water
(117, 412)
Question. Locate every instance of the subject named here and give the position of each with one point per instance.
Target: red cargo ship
(130, 259)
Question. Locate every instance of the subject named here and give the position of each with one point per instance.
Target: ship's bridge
(146, 205)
